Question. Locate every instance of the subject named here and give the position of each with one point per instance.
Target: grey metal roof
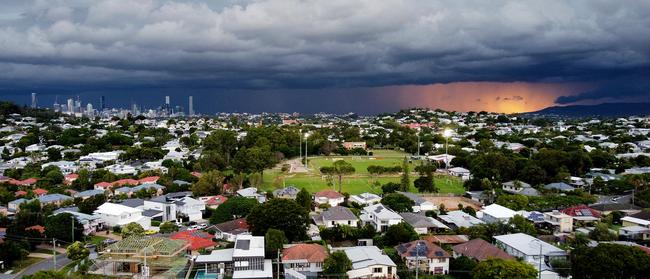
(338, 213)
(151, 212)
(132, 202)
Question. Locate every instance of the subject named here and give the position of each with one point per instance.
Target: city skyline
(332, 56)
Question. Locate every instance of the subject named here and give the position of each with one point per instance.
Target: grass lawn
(96, 239)
(356, 183)
(20, 265)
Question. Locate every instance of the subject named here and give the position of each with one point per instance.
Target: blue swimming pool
(202, 275)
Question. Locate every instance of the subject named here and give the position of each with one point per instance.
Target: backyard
(359, 182)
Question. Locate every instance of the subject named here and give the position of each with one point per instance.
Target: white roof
(382, 212)
(224, 255)
(497, 211)
(528, 245)
(636, 220)
(364, 256)
(115, 209)
(247, 245)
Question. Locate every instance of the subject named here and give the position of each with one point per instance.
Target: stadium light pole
(447, 133)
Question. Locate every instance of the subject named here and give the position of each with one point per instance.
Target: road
(61, 261)
(622, 199)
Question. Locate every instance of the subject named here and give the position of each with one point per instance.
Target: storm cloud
(285, 44)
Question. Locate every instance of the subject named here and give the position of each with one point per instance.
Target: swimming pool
(202, 275)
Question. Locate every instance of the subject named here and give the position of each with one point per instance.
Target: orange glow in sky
(505, 97)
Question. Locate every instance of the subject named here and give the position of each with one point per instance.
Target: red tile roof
(216, 200)
(39, 191)
(446, 239)
(581, 211)
(313, 253)
(20, 193)
(481, 250)
(26, 182)
(126, 181)
(197, 239)
(104, 185)
(150, 179)
(196, 174)
(330, 194)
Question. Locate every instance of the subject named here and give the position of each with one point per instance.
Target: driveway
(61, 261)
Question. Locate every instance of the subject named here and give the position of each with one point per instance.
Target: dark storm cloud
(54, 45)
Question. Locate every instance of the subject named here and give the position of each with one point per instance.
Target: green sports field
(356, 183)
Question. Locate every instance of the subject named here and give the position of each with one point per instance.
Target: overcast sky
(365, 56)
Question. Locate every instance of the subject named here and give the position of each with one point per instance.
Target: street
(61, 261)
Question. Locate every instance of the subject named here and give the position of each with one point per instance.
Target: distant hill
(604, 110)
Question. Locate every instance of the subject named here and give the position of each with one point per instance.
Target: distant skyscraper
(167, 100)
(191, 107)
(102, 103)
(57, 108)
(70, 105)
(34, 100)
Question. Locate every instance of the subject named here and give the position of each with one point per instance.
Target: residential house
(459, 219)
(244, 261)
(529, 248)
(520, 188)
(480, 250)
(331, 197)
(120, 215)
(90, 223)
(183, 206)
(89, 193)
(582, 214)
(229, 230)
(635, 233)
(370, 262)
(496, 213)
(423, 224)
(251, 193)
(380, 217)
(53, 199)
(213, 202)
(289, 192)
(560, 221)
(421, 204)
(559, 186)
(463, 173)
(425, 256)
(303, 261)
(365, 199)
(336, 215)
(354, 145)
(641, 219)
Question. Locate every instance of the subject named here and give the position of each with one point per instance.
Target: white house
(380, 217)
(121, 169)
(463, 173)
(336, 215)
(370, 262)
(496, 213)
(331, 197)
(120, 215)
(303, 261)
(529, 248)
(66, 167)
(365, 198)
(421, 204)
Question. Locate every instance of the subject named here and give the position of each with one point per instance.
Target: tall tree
(405, 181)
(337, 265)
(60, 226)
(398, 202)
(274, 240)
(503, 269)
(280, 214)
(210, 183)
(609, 261)
(304, 199)
(340, 168)
(76, 251)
